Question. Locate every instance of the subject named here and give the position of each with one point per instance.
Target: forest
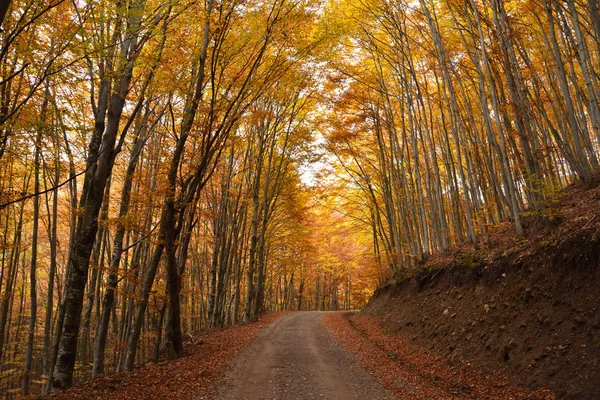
(168, 166)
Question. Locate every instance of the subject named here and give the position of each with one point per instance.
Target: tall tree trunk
(34, 247)
(100, 163)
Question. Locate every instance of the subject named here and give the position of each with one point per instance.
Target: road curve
(296, 358)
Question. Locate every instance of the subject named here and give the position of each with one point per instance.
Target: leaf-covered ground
(412, 372)
(528, 304)
(191, 376)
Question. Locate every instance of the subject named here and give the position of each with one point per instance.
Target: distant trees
(150, 159)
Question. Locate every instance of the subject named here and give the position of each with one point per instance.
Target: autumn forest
(169, 166)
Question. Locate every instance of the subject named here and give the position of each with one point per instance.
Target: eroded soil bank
(527, 305)
(413, 372)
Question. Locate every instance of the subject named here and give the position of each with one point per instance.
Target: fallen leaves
(191, 376)
(412, 372)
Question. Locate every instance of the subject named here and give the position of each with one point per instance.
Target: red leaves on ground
(412, 372)
(191, 376)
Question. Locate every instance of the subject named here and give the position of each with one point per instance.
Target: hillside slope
(529, 305)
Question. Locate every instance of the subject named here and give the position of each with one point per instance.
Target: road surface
(295, 358)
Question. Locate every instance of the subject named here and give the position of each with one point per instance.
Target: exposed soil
(191, 377)
(529, 305)
(517, 318)
(295, 358)
(413, 372)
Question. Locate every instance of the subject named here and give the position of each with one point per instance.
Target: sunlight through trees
(154, 158)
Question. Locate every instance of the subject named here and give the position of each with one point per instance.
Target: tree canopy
(167, 166)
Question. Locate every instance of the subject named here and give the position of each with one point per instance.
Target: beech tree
(461, 132)
(166, 167)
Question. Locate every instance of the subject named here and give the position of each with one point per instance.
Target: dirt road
(295, 358)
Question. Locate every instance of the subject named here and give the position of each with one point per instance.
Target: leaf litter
(413, 372)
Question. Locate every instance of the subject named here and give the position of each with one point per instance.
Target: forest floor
(192, 376)
(528, 305)
(413, 372)
(301, 355)
(516, 318)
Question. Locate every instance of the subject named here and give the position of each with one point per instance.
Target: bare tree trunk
(34, 247)
(112, 278)
(100, 163)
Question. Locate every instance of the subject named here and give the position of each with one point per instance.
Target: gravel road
(296, 358)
